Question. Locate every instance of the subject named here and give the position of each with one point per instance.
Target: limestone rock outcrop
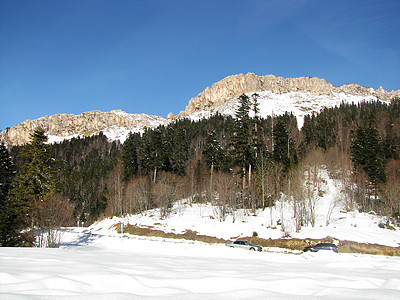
(85, 124)
(233, 86)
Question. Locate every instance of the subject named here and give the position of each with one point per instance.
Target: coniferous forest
(234, 163)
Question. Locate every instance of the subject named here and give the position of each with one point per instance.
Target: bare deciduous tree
(137, 195)
(227, 189)
(115, 188)
(165, 191)
(53, 212)
(390, 192)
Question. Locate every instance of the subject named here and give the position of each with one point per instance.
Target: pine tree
(179, 149)
(213, 152)
(36, 182)
(7, 174)
(281, 144)
(240, 141)
(129, 156)
(9, 223)
(152, 154)
(367, 152)
(285, 151)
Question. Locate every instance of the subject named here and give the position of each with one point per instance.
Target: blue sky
(153, 56)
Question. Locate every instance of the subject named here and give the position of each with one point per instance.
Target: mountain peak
(235, 85)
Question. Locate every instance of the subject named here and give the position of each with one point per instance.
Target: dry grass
(293, 244)
(188, 235)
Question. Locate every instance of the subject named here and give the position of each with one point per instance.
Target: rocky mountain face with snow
(277, 95)
(231, 87)
(115, 124)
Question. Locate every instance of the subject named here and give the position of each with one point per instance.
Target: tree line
(246, 162)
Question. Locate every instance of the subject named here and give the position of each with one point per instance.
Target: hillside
(332, 219)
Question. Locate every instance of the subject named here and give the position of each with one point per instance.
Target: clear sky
(152, 56)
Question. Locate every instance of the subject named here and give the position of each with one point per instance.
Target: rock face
(85, 124)
(233, 86)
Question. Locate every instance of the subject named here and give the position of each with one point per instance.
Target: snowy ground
(91, 266)
(98, 263)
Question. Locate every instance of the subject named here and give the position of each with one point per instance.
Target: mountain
(277, 95)
(115, 124)
(300, 95)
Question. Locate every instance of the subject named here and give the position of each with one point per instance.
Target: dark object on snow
(322, 246)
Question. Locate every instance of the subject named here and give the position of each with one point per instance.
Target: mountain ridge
(234, 85)
(65, 126)
(310, 94)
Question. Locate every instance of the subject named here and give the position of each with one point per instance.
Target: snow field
(91, 266)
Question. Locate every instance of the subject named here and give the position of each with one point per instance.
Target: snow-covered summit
(298, 103)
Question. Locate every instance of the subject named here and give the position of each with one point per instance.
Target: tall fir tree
(7, 174)
(281, 144)
(36, 182)
(152, 156)
(9, 223)
(240, 141)
(179, 149)
(129, 156)
(213, 152)
(367, 152)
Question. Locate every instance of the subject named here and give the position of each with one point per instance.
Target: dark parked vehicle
(322, 246)
(244, 245)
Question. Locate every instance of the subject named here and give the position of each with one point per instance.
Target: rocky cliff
(233, 86)
(85, 124)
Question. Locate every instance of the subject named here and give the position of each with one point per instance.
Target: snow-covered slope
(298, 103)
(331, 220)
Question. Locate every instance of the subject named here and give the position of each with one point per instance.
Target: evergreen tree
(285, 151)
(7, 174)
(240, 141)
(213, 152)
(9, 223)
(281, 144)
(36, 182)
(129, 156)
(255, 104)
(152, 154)
(367, 152)
(179, 149)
